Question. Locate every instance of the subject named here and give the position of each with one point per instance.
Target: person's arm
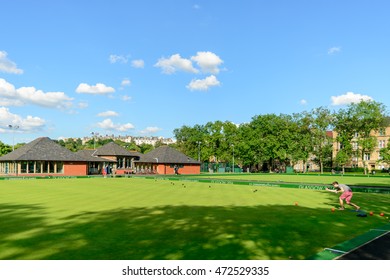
(329, 190)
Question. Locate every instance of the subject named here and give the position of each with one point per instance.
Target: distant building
(138, 140)
(373, 159)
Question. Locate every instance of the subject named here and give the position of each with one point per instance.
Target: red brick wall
(75, 169)
(186, 169)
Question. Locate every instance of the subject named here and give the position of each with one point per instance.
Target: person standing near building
(346, 194)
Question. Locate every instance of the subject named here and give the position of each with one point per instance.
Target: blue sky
(144, 68)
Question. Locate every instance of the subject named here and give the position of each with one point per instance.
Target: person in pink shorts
(346, 194)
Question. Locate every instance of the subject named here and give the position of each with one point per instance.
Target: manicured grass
(381, 180)
(135, 218)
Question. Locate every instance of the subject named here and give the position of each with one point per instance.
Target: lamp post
(93, 135)
(13, 128)
(233, 158)
(199, 151)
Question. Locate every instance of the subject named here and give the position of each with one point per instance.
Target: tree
(5, 149)
(385, 154)
(145, 148)
(355, 124)
(191, 141)
(300, 145)
(321, 120)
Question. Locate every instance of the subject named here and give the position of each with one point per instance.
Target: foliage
(385, 153)
(5, 149)
(276, 141)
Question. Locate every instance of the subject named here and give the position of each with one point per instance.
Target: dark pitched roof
(43, 149)
(89, 156)
(166, 154)
(113, 149)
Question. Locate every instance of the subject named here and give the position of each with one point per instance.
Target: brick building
(163, 160)
(44, 157)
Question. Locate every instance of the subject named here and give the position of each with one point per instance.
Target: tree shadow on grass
(174, 232)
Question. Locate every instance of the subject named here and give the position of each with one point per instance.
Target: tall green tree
(355, 124)
(191, 141)
(322, 142)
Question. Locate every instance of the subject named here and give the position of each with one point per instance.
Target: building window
(367, 156)
(51, 167)
(38, 167)
(31, 167)
(60, 167)
(381, 132)
(120, 162)
(44, 167)
(381, 144)
(23, 167)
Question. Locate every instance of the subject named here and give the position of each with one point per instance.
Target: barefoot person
(346, 194)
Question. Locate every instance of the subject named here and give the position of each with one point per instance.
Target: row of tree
(277, 141)
(273, 141)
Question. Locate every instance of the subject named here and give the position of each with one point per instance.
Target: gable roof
(113, 149)
(89, 156)
(166, 154)
(44, 149)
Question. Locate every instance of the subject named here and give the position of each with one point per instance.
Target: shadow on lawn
(174, 232)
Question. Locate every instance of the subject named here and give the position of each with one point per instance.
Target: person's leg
(348, 201)
(341, 203)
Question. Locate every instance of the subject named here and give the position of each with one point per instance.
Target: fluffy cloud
(108, 114)
(118, 58)
(10, 96)
(138, 63)
(108, 124)
(175, 63)
(28, 124)
(125, 82)
(203, 85)
(349, 98)
(98, 89)
(150, 130)
(208, 62)
(7, 65)
(126, 98)
(334, 50)
(303, 102)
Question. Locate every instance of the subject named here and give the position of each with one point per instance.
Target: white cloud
(150, 130)
(175, 63)
(125, 82)
(126, 98)
(118, 58)
(349, 98)
(138, 63)
(82, 105)
(99, 89)
(28, 124)
(204, 84)
(108, 124)
(108, 114)
(303, 102)
(334, 50)
(9, 96)
(208, 62)
(7, 65)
